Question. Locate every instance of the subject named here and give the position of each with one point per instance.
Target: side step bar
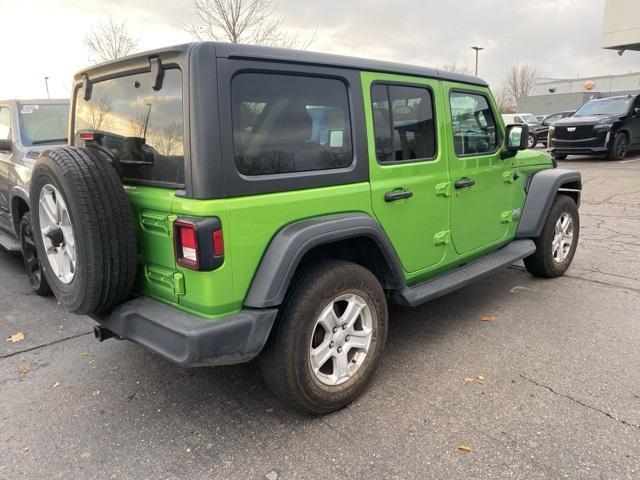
(9, 242)
(464, 275)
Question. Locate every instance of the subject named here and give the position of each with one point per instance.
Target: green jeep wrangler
(222, 202)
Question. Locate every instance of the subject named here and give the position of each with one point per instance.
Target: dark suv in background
(542, 131)
(609, 125)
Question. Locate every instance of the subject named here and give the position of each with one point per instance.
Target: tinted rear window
(141, 126)
(288, 123)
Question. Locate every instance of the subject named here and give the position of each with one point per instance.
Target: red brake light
(86, 136)
(218, 243)
(186, 244)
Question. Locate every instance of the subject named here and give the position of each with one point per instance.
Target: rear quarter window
(289, 123)
(142, 127)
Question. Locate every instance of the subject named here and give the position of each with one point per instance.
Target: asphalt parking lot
(549, 389)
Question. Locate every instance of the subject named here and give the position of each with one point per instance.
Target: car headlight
(603, 126)
(552, 128)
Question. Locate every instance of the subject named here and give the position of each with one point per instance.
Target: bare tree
(243, 21)
(99, 112)
(504, 100)
(167, 138)
(457, 68)
(520, 80)
(109, 41)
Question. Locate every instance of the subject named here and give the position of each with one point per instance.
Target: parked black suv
(542, 131)
(608, 125)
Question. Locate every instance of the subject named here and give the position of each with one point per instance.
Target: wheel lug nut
(335, 329)
(332, 344)
(344, 327)
(339, 349)
(347, 338)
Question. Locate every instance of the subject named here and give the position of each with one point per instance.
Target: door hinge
(157, 222)
(166, 279)
(442, 238)
(178, 284)
(443, 189)
(507, 177)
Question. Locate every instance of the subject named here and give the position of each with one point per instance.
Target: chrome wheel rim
(562, 238)
(57, 233)
(531, 141)
(341, 339)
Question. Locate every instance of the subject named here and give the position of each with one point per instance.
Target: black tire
(103, 229)
(619, 147)
(285, 362)
(532, 140)
(559, 156)
(542, 262)
(32, 265)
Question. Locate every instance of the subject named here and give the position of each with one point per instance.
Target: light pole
(477, 49)
(46, 84)
(146, 122)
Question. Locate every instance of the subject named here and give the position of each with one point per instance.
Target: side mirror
(516, 138)
(6, 146)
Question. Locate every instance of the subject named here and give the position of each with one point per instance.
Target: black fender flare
(293, 241)
(542, 188)
(16, 193)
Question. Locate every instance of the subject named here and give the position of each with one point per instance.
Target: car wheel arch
(327, 236)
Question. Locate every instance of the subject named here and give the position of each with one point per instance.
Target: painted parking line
(631, 160)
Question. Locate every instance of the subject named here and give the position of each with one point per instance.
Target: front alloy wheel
(531, 141)
(563, 238)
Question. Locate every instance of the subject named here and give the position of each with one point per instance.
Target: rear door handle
(465, 182)
(394, 195)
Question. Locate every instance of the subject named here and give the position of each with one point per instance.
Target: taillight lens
(198, 243)
(186, 237)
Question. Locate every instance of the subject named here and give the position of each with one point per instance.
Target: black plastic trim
(543, 188)
(188, 340)
(289, 245)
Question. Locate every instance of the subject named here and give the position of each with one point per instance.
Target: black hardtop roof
(616, 97)
(254, 52)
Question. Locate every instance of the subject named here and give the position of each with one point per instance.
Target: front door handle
(465, 182)
(394, 195)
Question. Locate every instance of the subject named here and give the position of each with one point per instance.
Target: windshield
(529, 118)
(606, 106)
(42, 124)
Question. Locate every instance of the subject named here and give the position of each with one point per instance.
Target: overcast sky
(561, 38)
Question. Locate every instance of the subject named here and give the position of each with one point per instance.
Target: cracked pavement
(552, 386)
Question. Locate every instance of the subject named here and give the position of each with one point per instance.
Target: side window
(474, 126)
(5, 124)
(517, 119)
(403, 123)
(288, 123)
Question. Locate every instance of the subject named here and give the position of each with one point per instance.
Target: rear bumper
(188, 340)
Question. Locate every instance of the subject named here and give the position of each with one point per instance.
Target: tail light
(198, 243)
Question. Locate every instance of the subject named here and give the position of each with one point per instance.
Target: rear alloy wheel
(619, 147)
(328, 337)
(559, 156)
(532, 141)
(30, 257)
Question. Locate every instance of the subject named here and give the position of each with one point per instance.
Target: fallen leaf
(480, 377)
(24, 368)
(465, 448)
(489, 318)
(84, 354)
(55, 385)
(17, 337)
(468, 379)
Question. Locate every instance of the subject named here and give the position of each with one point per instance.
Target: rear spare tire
(84, 229)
